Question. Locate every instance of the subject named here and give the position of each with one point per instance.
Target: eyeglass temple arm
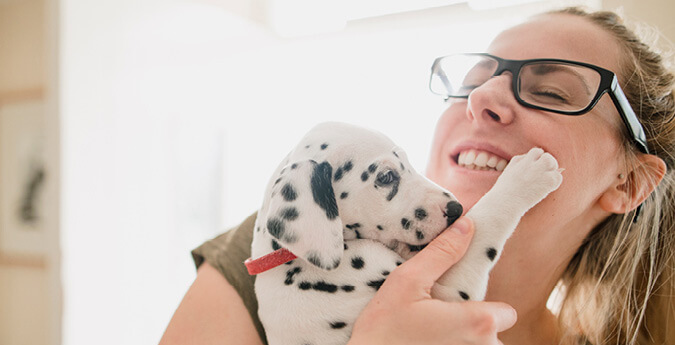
(439, 72)
(628, 116)
(631, 121)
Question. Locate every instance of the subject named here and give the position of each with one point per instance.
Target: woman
(614, 270)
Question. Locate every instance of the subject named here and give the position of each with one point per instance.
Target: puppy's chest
(298, 300)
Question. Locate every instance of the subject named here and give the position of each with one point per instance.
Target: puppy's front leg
(525, 182)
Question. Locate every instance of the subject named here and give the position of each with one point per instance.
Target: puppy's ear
(303, 214)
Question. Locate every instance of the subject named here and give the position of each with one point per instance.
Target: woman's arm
(212, 312)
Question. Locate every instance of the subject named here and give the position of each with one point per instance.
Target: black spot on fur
(290, 262)
(343, 195)
(305, 285)
(376, 284)
(290, 274)
(379, 227)
(288, 192)
(289, 213)
(372, 168)
(358, 234)
(421, 213)
(275, 245)
(446, 194)
(464, 295)
(491, 253)
(324, 287)
(314, 259)
(322, 189)
(294, 165)
(345, 168)
(364, 176)
(402, 167)
(385, 273)
(347, 288)
(395, 154)
(358, 263)
(324, 145)
(277, 181)
(338, 174)
(398, 263)
(406, 223)
(419, 234)
(337, 325)
(345, 246)
(276, 227)
(353, 226)
(307, 146)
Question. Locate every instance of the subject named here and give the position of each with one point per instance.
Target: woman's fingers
(505, 314)
(489, 317)
(444, 251)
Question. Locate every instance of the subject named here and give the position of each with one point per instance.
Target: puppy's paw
(531, 177)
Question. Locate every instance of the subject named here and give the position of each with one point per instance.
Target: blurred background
(133, 130)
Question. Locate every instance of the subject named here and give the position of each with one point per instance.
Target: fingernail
(461, 226)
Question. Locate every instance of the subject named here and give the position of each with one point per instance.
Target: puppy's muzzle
(453, 210)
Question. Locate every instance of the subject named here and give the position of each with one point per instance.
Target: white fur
(316, 298)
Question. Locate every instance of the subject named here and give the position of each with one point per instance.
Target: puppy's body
(349, 205)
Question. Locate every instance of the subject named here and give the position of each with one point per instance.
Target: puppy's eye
(387, 177)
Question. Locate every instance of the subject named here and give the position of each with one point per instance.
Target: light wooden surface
(22, 95)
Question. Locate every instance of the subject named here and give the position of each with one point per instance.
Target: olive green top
(227, 254)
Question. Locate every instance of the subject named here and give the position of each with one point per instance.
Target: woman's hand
(403, 312)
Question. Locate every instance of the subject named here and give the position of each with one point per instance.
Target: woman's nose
(493, 101)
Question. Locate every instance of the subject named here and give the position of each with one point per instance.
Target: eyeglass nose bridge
(507, 66)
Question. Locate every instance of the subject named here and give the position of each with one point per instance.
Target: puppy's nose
(453, 210)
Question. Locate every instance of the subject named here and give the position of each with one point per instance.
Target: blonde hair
(619, 287)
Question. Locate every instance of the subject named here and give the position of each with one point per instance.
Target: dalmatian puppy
(345, 208)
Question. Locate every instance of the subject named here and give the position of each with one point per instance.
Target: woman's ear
(633, 187)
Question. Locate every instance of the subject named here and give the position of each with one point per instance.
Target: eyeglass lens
(555, 86)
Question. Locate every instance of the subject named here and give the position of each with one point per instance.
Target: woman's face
(492, 121)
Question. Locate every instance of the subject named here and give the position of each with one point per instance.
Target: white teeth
(470, 157)
(501, 165)
(492, 162)
(481, 160)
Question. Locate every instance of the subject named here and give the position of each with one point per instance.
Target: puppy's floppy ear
(303, 214)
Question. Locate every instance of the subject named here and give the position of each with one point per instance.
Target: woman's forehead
(560, 36)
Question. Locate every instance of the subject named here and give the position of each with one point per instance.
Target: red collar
(269, 261)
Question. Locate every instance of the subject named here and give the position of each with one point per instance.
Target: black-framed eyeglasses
(558, 86)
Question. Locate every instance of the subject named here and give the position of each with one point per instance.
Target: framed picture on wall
(22, 178)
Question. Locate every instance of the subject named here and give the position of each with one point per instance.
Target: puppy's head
(388, 201)
(345, 182)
